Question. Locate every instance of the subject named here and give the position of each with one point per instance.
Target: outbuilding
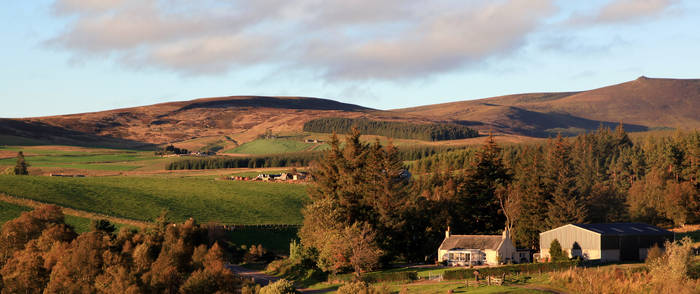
(605, 242)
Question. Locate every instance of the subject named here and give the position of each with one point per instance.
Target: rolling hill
(642, 104)
(242, 118)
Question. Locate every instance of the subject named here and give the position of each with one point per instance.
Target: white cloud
(620, 11)
(349, 40)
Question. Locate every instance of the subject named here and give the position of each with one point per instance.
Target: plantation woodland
(403, 130)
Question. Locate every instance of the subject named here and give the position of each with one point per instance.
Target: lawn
(144, 198)
(459, 288)
(272, 146)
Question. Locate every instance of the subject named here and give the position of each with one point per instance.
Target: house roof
(471, 242)
(622, 229)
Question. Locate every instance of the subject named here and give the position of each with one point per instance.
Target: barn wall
(568, 235)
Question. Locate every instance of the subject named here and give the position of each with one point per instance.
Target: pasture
(79, 158)
(144, 198)
(9, 211)
(273, 146)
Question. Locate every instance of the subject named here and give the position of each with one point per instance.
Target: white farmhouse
(461, 250)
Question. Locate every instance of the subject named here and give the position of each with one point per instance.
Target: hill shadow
(539, 124)
(31, 133)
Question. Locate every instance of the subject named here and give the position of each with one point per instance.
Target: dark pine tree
(565, 205)
(21, 166)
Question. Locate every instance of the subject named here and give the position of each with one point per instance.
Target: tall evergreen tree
(21, 166)
(565, 205)
(481, 210)
(530, 184)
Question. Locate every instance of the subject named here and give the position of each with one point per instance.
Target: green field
(144, 198)
(10, 211)
(274, 146)
(87, 159)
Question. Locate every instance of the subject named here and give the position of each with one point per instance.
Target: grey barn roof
(622, 229)
(471, 242)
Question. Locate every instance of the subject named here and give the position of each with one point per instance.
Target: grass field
(11, 211)
(78, 158)
(273, 146)
(144, 198)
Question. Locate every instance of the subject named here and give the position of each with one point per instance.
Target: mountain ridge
(641, 104)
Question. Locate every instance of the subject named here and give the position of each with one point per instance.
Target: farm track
(74, 212)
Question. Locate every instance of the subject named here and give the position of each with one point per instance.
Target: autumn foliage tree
(41, 254)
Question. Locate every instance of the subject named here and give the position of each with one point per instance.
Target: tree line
(277, 160)
(40, 253)
(364, 214)
(392, 129)
(294, 159)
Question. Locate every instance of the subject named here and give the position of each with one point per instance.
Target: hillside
(242, 118)
(641, 104)
(227, 122)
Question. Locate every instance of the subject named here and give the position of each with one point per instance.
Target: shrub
(675, 263)
(280, 287)
(462, 274)
(359, 287)
(654, 253)
(378, 277)
(353, 288)
(555, 251)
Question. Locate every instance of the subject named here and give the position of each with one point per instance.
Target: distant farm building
(461, 250)
(605, 242)
(313, 141)
(294, 176)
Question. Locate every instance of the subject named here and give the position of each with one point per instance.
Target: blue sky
(72, 56)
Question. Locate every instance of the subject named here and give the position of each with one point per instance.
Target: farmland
(77, 158)
(144, 198)
(273, 146)
(10, 211)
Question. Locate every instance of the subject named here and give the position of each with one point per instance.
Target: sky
(73, 56)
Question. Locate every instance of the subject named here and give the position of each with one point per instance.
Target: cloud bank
(335, 40)
(346, 40)
(625, 11)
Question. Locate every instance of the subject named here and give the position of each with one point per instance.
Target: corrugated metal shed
(609, 241)
(624, 229)
(568, 235)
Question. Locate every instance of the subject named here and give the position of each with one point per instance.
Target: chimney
(506, 233)
(447, 233)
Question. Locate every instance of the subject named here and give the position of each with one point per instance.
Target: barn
(605, 242)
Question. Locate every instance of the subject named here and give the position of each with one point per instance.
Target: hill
(224, 123)
(645, 103)
(242, 118)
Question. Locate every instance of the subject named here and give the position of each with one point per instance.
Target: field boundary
(74, 212)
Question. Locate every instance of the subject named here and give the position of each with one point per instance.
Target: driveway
(258, 277)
